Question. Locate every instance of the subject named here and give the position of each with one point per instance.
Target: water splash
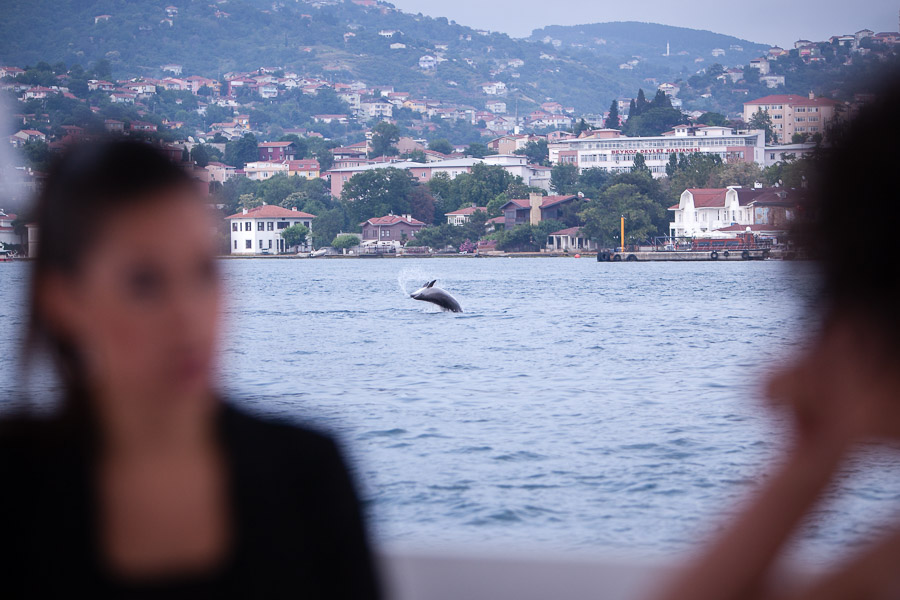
(409, 279)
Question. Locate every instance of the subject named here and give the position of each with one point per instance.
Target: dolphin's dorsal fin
(431, 283)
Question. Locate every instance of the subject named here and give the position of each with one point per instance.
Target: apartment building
(792, 114)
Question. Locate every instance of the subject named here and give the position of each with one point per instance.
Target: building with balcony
(610, 150)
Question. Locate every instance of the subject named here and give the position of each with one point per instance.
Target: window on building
(260, 244)
(248, 244)
(247, 226)
(385, 233)
(270, 244)
(282, 225)
(260, 226)
(234, 227)
(235, 244)
(270, 225)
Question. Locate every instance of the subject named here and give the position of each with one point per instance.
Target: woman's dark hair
(87, 184)
(852, 228)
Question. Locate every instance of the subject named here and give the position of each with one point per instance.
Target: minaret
(667, 48)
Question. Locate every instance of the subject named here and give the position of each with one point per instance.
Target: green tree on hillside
(377, 192)
(241, 151)
(441, 145)
(384, 136)
(564, 178)
(640, 164)
(536, 151)
(713, 118)
(612, 119)
(762, 120)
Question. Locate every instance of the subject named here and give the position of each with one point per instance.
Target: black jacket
(298, 529)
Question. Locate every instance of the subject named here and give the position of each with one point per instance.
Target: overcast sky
(764, 21)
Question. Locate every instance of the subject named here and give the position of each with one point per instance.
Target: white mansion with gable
(258, 230)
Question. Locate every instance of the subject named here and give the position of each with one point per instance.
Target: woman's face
(143, 309)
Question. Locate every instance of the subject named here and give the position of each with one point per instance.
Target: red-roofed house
(393, 229)
(258, 230)
(534, 209)
(700, 211)
(277, 151)
(461, 216)
(19, 138)
(308, 168)
(792, 114)
(143, 126)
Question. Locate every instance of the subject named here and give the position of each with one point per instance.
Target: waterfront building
(391, 229)
(609, 149)
(258, 230)
(701, 211)
(8, 233)
(569, 239)
(792, 114)
(462, 215)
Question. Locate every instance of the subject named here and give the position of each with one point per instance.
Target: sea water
(572, 406)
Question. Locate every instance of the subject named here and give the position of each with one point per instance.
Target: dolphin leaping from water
(429, 293)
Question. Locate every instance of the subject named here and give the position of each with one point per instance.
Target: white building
(461, 216)
(700, 211)
(569, 239)
(262, 170)
(776, 154)
(772, 81)
(610, 150)
(494, 88)
(258, 230)
(427, 62)
(8, 235)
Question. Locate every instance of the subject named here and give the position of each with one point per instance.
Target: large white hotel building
(609, 149)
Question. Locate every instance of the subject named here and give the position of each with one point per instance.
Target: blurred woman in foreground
(844, 390)
(146, 483)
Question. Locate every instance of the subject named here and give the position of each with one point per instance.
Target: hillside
(619, 42)
(342, 40)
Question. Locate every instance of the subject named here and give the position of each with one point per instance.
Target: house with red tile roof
(19, 138)
(258, 230)
(277, 151)
(703, 210)
(390, 229)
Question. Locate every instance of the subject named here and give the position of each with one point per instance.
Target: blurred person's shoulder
(276, 441)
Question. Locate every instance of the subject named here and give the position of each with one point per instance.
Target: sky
(778, 22)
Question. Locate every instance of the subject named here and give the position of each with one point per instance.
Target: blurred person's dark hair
(851, 227)
(87, 184)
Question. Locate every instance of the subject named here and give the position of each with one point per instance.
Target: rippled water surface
(574, 405)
